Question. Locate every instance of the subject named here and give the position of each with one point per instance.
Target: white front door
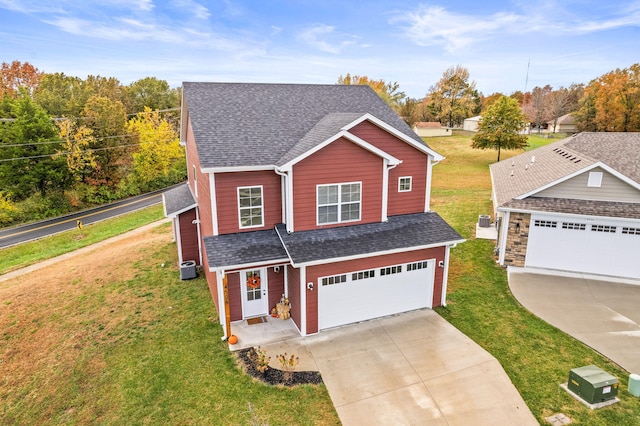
(254, 292)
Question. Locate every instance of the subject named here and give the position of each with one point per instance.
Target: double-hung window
(250, 206)
(339, 202)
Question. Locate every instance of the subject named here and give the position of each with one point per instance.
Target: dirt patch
(274, 376)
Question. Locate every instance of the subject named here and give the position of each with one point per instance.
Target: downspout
(197, 221)
(303, 300)
(385, 189)
(503, 237)
(287, 197)
(445, 274)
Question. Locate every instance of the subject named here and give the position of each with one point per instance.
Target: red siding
(203, 193)
(211, 282)
(189, 236)
(227, 199)
(275, 281)
(293, 278)
(315, 272)
(414, 164)
(235, 296)
(340, 162)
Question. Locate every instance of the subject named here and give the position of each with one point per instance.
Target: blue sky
(301, 41)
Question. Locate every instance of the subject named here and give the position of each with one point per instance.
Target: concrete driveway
(603, 313)
(414, 368)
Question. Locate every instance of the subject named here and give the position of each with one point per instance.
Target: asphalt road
(36, 230)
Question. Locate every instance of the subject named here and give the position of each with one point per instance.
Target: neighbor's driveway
(414, 368)
(603, 313)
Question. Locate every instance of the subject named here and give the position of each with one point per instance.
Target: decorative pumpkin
(253, 282)
(233, 339)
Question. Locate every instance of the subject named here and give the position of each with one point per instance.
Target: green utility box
(592, 384)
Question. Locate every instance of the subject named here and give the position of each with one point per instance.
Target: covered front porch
(269, 331)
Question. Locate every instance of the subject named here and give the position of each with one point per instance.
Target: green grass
(36, 251)
(136, 351)
(536, 356)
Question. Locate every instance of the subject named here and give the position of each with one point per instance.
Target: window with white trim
(363, 275)
(404, 184)
(250, 206)
(545, 223)
(390, 270)
(576, 226)
(595, 179)
(603, 228)
(336, 279)
(417, 265)
(630, 231)
(339, 202)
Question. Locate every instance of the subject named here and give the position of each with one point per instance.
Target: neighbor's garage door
(362, 295)
(584, 244)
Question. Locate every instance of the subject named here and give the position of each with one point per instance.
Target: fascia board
(243, 266)
(397, 133)
(179, 212)
(237, 169)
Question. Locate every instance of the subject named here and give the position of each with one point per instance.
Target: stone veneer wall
(515, 250)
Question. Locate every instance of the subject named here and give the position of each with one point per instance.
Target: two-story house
(317, 192)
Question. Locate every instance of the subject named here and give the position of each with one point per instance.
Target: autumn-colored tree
(500, 127)
(15, 75)
(7, 209)
(387, 91)
(611, 103)
(158, 153)
(107, 120)
(75, 148)
(537, 109)
(489, 100)
(454, 97)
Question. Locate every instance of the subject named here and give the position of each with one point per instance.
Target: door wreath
(253, 282)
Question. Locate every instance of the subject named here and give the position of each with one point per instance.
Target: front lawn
(536, 356)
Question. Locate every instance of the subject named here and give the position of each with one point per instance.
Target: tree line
(68, 143)
(609, 103)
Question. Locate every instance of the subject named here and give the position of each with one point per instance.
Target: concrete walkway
(602, 312)
(411, 368)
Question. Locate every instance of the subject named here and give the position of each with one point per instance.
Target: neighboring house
(320, 193)
(471, 124)
(564, 124)
(426, 129)
(572, 205)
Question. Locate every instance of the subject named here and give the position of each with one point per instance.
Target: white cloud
(195, 8)
(325, 38)
(437, 26)
(431, 26)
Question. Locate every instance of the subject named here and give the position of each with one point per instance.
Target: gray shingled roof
(244, 248)
(620, 151)
(177, 200)
(572, 206)
(249, 124)
(400, 232)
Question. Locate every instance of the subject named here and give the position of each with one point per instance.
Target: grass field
(36, 251)
(117, 338)
(536, 356)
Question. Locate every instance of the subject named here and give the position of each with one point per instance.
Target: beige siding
(612, 189)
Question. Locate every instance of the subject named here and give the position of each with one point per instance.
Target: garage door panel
(583, 244)
(361, 299)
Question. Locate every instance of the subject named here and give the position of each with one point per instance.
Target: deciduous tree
(15, 75)
(75, 148)
(454, 97)
(500, 127)
(150, 92)
(387, 91)
(537, 107)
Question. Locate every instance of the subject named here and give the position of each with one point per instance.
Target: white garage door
(584, 244)
(373, 293)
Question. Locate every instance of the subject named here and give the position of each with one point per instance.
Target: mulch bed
(274, 376)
